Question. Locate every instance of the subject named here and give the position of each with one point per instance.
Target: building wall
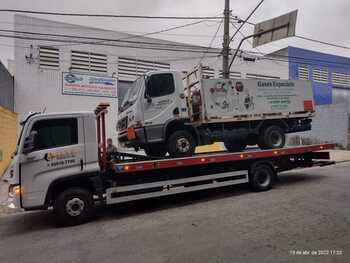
(315, 61)
(332, 98)
(6, 88)
(38, 89)
(8, 131)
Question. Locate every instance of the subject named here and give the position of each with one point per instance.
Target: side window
(160, 85)
(55, 133)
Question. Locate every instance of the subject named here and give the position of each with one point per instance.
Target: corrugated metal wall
(6, 88)
(8, 136)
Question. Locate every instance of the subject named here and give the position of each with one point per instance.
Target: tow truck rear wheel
(261, 177)
(181, 144)
(73, 206)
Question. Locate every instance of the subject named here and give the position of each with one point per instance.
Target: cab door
(159, 99)
(58, 152)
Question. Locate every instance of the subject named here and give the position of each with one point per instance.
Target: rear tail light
(308, 105)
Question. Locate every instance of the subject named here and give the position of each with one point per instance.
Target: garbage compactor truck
(165, 112)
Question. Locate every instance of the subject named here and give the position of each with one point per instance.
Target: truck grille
(123, 124)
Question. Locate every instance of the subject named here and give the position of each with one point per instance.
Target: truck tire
(155, 150)
(272, 137)
(73, 206)
(181, 144)
(235, 145)
(261, 177)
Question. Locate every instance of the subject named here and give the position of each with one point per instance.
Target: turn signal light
(131, 133)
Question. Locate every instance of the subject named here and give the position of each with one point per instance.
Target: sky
(318, 19)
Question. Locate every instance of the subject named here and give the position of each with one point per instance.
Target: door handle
(31, 158)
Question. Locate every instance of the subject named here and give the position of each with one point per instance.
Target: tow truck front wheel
(73, 206)
(181, 144)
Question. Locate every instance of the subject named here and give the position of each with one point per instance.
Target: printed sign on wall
(88, 85)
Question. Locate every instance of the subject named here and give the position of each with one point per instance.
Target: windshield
(132, 94)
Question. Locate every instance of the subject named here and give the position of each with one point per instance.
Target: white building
(42, 58)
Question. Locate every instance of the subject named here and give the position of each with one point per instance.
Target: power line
(155, 32)
(102, 39)
(322, 42)
(211, 42)
(246, 20)
(106, 44)
(162, 46)
(108, 15)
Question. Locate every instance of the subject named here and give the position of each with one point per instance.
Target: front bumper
(140, 138)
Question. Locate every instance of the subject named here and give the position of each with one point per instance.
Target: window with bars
(260, 76)
(320, 75)
(233, 74)
(303, 73)
(131, 68)
(87, 61)
(341, 79)
(208, 72)
(49, 58)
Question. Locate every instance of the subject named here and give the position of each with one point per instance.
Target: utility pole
(226, 43)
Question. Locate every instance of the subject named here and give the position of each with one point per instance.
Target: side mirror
(29, 142)
(149, 99)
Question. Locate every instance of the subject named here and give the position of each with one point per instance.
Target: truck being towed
(166, 112)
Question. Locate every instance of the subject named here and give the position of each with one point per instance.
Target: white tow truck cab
(165, 112)
(61, 161)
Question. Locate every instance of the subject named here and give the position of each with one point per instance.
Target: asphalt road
(307, 212)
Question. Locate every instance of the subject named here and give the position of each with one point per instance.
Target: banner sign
(88, 85)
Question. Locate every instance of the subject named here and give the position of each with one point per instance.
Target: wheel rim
(276, 138)
(183, 145)
(263, 178)
(75, 206)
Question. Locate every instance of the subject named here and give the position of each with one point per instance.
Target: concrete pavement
(307, 211)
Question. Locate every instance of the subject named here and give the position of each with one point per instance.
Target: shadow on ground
(36, 221)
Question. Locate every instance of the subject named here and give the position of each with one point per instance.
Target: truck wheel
(261, 177)
(181, 144)
(73, 206)
(235, 145)
(272, 137)
(156, 150)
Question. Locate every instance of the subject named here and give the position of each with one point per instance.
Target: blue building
(330, 79)
(329, 74)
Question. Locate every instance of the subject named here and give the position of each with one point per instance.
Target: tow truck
(61, 162)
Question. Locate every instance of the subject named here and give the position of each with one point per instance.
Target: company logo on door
(60, 155)
(88, 85)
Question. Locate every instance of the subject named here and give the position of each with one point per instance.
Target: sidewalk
(340, 155)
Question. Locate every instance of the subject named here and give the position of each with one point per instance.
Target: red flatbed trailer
(128, 177)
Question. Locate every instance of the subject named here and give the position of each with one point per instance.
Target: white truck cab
(153, 101)
(165, 112)
(51, 148)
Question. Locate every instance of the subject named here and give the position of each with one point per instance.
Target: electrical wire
(102, 39)
(322, 42)
(211, 42)
(108, 15)
(84, 28)
(105, 44)
(246, 20)
(155, 32)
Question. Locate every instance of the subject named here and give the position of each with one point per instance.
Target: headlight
(14, 190)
